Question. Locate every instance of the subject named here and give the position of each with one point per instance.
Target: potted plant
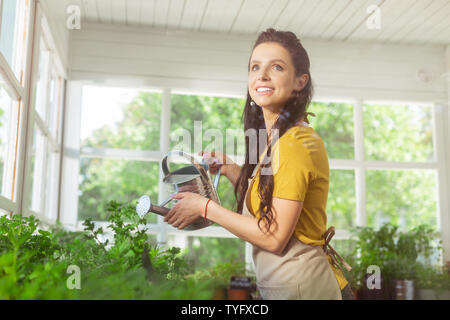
(432, 283)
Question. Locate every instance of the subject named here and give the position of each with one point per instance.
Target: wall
(208, 62)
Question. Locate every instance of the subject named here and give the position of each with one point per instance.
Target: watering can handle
(179, 153)
(185, 155)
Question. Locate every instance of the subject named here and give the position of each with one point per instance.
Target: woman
(282, 199)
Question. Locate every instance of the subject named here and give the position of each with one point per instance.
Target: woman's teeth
(264, 89)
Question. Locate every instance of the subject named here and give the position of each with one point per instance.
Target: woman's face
(271, 77)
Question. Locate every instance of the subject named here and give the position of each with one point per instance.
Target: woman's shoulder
(301, 138)
(300, 147)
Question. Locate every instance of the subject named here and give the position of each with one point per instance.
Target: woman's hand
(216, 160)
(189, 208)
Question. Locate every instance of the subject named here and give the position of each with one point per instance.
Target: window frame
(17, 89)
(35, 121)
(359, 164)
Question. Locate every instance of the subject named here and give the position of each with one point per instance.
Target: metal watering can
(192, 178)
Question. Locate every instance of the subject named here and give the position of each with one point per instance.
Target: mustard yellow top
(301, 172)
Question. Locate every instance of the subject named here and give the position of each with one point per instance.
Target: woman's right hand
(216, 160)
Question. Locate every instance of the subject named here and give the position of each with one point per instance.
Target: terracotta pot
(238, 294)
(220, 294)
(355, 294)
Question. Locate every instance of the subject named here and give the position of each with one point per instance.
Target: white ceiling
(402, 21)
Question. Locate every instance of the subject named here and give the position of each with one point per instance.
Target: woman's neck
(270, 117)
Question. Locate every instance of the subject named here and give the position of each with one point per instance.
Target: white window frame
(358, 164)
(52, 142)
(18, 90)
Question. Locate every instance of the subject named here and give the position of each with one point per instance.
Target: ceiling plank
(426, 30)
(134, 11)
(118, 9)
(410, 11)
(175, 13)
(104, 11)
(161, 13)
(147, 13)
(251, 15)
(340, 21)
(272, 15)
(313, 25)
(330, 17)
(357, 19)
(389, 12)
(192, 14)
(426, 17)
(90, 10)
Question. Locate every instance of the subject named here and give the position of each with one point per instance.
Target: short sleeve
(293, 172)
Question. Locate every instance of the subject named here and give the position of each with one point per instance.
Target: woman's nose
(263, 74)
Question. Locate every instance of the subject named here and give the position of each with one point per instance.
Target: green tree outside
(406, 197)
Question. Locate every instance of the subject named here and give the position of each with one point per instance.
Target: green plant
(34, 262)
(398, 254)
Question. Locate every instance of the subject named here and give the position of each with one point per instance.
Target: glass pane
(405, 198)
(120, 118)
(103, 180)
(37, 169)
(8, 23)
(13, 37)
(400, 132)
(220, 125)
(6, 143)
(54, 103)
(341, 204)
(226, 194)
(42, 83)
(334, 124)
(51, 185)
(207, 252)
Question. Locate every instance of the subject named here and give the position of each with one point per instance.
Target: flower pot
(220, 294)
(238, 294)
(371, 294)
(403, 290)
(431, 294)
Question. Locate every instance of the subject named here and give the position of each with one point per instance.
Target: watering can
(192, 178)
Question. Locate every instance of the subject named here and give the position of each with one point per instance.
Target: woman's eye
(278, 67)
(253, 67)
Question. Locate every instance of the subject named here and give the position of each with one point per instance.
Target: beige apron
(302, 271)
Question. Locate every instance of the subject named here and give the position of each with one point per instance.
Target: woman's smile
(264, 91)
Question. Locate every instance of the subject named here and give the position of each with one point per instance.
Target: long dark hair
(293, 111)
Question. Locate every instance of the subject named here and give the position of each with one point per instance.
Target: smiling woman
(282, 198)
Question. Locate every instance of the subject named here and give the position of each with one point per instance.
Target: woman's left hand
(189, 208)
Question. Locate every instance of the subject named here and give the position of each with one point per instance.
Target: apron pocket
(279, 291)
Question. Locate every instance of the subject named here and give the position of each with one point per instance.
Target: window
(13, 37)
(402, 132)
(8, 137)
(125, 120)
(44, 161)
(391, 167)
(334, 123)
(400, 190)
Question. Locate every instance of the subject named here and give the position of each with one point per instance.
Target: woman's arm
(285, 217)
(232, 173)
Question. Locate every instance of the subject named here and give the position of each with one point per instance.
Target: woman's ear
(301, 82)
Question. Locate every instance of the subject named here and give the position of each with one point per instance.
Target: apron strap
(329, 250)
